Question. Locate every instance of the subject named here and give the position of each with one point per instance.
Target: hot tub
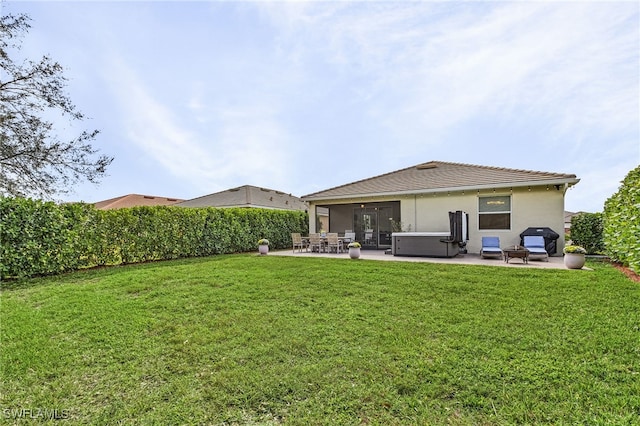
(427, 244)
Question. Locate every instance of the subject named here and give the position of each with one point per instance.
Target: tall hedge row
(621, 231)
(43, 238)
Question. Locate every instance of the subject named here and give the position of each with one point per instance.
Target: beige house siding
(537, 207)
(427, 192)
(529, 208)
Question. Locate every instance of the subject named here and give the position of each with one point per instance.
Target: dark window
(494, 212)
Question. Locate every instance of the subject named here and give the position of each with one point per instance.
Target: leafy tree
(33, 160)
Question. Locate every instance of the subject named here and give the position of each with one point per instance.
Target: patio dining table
(344, 239)
(324, 239)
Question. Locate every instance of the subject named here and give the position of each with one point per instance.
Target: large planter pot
(574, 260)
(354, 252)
(263, 249)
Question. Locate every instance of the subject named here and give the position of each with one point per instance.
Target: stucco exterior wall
(537, 207)
(540, 207)
(530, 207)
(430, 213)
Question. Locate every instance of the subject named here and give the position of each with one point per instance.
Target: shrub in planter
(574, 256)
(263, 246)
(354, 250)
(575, 249)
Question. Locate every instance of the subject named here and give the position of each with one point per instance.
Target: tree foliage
(33, 159)
(622, 222)
(586, 231)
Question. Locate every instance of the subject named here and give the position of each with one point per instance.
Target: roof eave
(539, 182)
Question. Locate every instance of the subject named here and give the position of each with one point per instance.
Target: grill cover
(549, 235)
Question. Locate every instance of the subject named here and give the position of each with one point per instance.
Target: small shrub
(574, 249)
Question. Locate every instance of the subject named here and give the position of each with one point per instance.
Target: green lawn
(248, 339)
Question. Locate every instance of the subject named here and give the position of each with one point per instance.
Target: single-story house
(135, 200)
(248, 196)
(499, 202)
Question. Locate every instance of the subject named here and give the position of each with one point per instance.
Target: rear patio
(555, 262)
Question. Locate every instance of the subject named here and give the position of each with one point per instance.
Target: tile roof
(437, 176)
(248, 196)
(135, 200)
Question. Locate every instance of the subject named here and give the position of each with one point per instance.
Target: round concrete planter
(574, 260)
(263, 249)
(354, 252)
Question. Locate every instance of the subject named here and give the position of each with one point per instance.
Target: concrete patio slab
(555, 262)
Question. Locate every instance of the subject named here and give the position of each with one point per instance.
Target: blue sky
(196, 97)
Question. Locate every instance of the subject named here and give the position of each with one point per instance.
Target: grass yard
(249, 339)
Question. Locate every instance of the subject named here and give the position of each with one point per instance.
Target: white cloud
(154, 128)
(253, 145)
(238, 144)
(561, 62)
(224, 94)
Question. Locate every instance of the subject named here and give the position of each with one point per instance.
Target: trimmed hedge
(621, 230)
(43, 238)
(586, 231)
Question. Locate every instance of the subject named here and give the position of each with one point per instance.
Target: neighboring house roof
(437, 176)
(135, 200)
(248, 196)
(568, 216)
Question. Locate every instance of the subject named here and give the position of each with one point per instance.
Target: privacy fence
(44, 238)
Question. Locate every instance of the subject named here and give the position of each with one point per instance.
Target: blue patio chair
(491, 247)
(536, 247)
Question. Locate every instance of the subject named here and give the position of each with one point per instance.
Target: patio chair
(349, 236)
(368, 237)
(491, 247)
(535, 245)
(334, 243)
(315, 243)
(298, 242)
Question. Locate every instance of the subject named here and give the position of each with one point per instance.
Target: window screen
(494, 212)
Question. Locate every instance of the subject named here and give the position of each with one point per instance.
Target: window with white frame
(494, 212)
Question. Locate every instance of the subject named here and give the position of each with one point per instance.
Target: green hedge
(586, 231)
(43, 238)
(621, 231)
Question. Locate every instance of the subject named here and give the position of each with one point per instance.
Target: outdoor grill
(549, 235)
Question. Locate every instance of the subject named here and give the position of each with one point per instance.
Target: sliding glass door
(373, 226)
